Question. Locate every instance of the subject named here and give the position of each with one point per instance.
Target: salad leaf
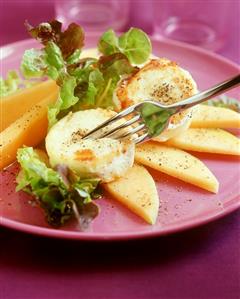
(115, 64)
(69, 41)
(155, 118)
(67, 92)
(224, 102)
(74, 58)
(13, 83)
(135, 44)
(33, 63)
(45, 32)
(65, 100)
(84, 83)
(54, 56)
(10, 84)
(60, 192)
(61, 49)
(112, 68)
(97, 80)
(108, 43)
(88, 212)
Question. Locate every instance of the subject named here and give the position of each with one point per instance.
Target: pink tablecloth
(201, 263)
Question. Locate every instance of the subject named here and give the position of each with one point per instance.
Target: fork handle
(207, 94)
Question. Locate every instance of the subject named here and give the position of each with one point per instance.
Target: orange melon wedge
(29, 129)
(15, 105)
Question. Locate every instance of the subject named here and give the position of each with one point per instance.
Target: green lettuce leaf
(74, 58)
(116, 64)
(135, 44)
(61, 50)
(54, 56)
(155, 118)
(12, 83)
(33, 63)
(84, 83)
(65, 100)
(60, 192)
(97, 80)
(112, 68)
(108, 43)
(224, 102)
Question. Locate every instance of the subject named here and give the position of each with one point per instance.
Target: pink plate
(182, 205)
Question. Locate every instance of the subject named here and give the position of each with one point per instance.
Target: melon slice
(29, 129)
(176, 163)
(207, 140)
(137, 191)
(15, 105)
(214, 117)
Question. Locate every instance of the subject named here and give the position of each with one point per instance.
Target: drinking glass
(93, 15)
(199, 22)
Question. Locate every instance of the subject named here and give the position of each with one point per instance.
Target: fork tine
(126, 124)
(131, 132)
(118, 116)
(141, 138)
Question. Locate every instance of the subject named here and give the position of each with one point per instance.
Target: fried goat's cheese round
(164, 81)
(106, 158)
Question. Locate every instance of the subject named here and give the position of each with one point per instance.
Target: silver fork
(150, 118)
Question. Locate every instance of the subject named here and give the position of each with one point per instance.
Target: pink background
(201, 263)
(14, 12)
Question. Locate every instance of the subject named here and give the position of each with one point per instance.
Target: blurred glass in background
(94, 15)
(220, 19)
(199, 22)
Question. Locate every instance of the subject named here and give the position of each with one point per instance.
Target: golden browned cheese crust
(161, 80)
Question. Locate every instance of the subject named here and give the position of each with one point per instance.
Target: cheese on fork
(164, 81)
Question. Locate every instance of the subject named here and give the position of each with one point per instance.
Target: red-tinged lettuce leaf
(71, 40)
(84, 83)
(68, 41)
(87, 213)
(82, 68)
(60, 192)
(45, 32)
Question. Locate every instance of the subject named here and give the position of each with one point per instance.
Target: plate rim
(120, 236)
